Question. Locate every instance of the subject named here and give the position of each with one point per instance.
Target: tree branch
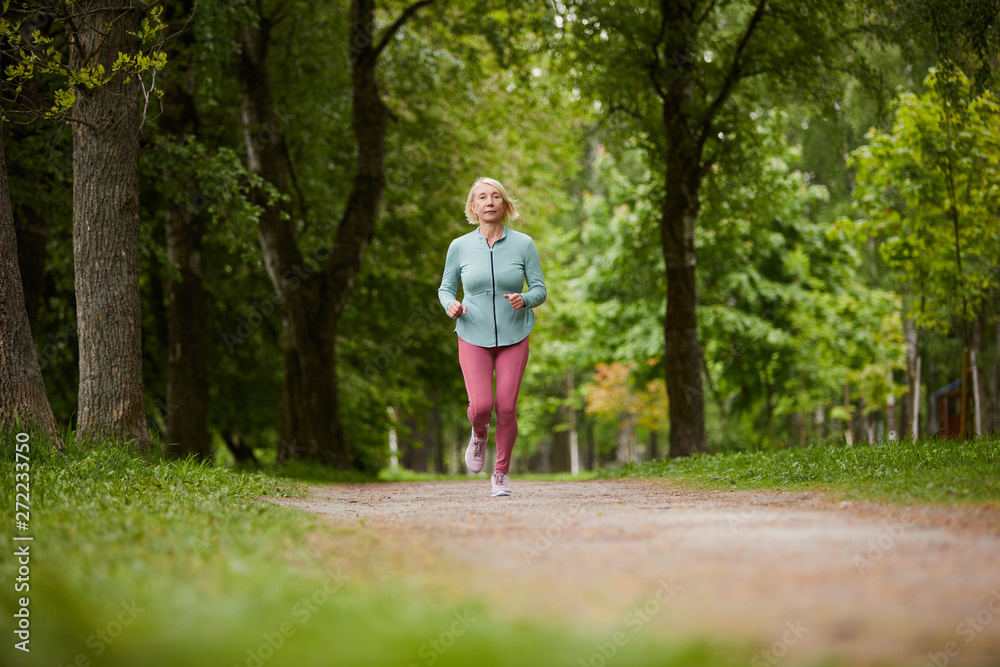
(397, 24)
(735, 70)
(654, 64)
(704, 14)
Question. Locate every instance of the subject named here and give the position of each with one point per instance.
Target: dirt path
(791, 573)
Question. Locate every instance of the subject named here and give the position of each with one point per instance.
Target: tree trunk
(911, 337)
(933, 411)
(436, 439)
(187, 373)
(312, 302)
(242, 453)
(975, 382)
(574, 438)
(849, 420)
(106, 225)
(310, 428)
(593, 456)
(679, 214)
(22, 392)
(994, 422)
(626, 452)
(682, 355)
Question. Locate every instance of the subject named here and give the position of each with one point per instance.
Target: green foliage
(558, 102)
(927, 191)
(33, 53)
(939, 471)
(784, 315)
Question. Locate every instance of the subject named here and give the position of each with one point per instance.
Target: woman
(494, 318)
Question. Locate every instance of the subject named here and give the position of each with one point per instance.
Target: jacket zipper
(496, 332)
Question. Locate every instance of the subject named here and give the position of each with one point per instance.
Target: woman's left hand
(515, 300)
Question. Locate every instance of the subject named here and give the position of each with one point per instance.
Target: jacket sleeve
(448, 290)
(536, 294)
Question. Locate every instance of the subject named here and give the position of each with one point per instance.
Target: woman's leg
(477, 369)
(511, 361)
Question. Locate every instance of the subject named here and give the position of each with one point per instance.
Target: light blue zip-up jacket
(486, 275)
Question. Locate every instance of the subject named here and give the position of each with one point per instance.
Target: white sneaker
(475, 453)
(501, 485)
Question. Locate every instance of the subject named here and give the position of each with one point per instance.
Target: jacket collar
(482, 239)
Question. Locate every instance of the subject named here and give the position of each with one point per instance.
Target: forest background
(762, 224)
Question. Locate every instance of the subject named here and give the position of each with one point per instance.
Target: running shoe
(475, 453)
(501, 485)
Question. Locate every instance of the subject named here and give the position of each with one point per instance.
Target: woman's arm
(448, 291)
(536, 294)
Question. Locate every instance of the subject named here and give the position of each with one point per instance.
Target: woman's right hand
(456, 309)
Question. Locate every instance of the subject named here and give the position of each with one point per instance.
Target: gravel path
(793, 574)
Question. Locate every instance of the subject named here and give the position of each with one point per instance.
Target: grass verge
(907, 472)
(136, 560)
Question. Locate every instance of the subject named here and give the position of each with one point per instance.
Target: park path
(796, 575)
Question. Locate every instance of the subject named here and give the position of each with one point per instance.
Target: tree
(313, 297)
(678, 71)
(22, 392)
(187, 374)
(927, 191)
(105, 42)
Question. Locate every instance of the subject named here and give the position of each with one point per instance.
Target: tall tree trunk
(688, 122)
(310, 427)
(106, 224)
(593, 455)
(679, 214)
(559, 456)
(22, 391)
(975, 376)
(993, 427)
(933, 404)
(417, 454)
(911, 337)
(994, 421)
(313, 299)
(574, 438)
(187, 373)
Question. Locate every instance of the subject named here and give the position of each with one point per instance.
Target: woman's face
(487, 203)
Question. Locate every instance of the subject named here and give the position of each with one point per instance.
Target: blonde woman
(493, 319)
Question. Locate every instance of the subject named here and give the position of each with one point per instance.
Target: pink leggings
(478, 366)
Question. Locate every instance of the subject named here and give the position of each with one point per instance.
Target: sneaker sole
(501, 493)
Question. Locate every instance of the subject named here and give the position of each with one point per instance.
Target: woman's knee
(481, 408)
(506, 413)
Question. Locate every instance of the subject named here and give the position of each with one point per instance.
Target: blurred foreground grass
(141, 561)
(925, 471)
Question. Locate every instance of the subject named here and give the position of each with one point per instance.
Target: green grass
(141, 561)
(926, 471)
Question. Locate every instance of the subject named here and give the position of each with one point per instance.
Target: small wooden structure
(949, 400)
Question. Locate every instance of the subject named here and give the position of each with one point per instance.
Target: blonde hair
(509, 207)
